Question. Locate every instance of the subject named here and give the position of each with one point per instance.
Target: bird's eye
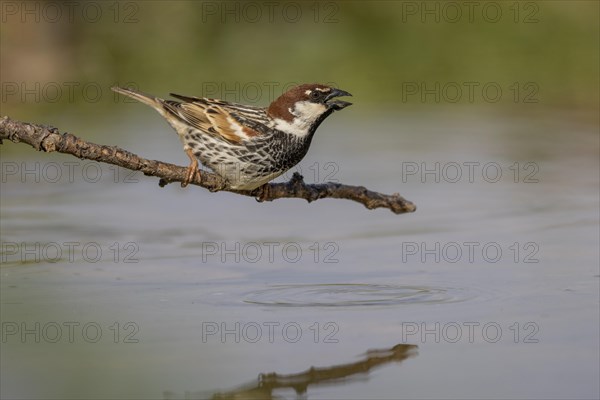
(315, 95)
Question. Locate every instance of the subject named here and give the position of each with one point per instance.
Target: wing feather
(232, 122)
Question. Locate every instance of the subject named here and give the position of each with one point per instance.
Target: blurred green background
(62, 57)
(405, 63)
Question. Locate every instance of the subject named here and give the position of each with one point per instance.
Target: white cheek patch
(308, 111)
(305, 114)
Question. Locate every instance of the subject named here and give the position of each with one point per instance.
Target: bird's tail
(150, 100)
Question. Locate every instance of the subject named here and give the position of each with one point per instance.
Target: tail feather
(150, 100)
(188, 99)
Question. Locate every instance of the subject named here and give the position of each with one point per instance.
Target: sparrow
(247, 146)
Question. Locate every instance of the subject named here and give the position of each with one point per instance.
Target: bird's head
(300, 110)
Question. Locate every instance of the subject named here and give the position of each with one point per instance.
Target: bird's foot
(262, 193)
(223, 184)
(190, 175)
(192, 170)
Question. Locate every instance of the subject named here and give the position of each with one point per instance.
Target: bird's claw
(190, 176)
(192, 169)
(263, 193)
(223, 184)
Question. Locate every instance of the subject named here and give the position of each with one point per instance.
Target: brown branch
(48, 139)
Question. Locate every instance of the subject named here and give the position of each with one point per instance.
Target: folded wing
(234, 123)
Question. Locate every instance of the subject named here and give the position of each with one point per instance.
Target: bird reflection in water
(266, 384)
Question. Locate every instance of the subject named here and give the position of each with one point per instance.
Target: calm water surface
(115, 288)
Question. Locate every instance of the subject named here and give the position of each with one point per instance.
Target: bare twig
(48, 139)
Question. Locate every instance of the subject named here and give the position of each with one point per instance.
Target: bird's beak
(337, 104)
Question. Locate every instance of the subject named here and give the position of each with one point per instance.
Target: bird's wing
(232, 122)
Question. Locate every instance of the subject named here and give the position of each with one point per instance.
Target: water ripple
(349, 295)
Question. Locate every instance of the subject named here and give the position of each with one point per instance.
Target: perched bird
(247, 146)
